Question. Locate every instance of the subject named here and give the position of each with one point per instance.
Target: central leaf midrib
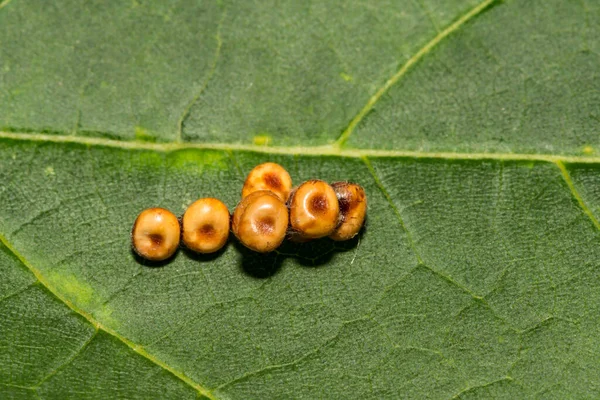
(326, 150)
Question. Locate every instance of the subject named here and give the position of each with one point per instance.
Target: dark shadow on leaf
(152, 264)
(348, 245)
(312, 254)
(200, 257)
(258, 265)
(320, 252)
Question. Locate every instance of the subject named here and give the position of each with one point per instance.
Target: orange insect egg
(205, 225)
(314, 210)
(155, 234)
(260, 221)
(268, 176)
(353, 210)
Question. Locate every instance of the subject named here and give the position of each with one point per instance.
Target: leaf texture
(472, 127)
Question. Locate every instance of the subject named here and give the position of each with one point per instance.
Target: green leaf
(473, 127)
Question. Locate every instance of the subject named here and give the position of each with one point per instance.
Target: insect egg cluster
(269, 211)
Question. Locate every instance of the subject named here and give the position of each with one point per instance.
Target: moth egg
(268, 176)
(155, 234)
(314, 210)
(353, 210)
(205, 225)
(260, 221)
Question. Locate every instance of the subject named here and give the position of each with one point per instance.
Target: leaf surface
(472, 127)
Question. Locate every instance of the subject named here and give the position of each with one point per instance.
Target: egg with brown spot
(260, 221)
(314, 210)
(155, 234)
(353, 210)
(205, 225)
(268, 176)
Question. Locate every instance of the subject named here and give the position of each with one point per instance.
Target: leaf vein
(575, 193)
(387, 196)
(471, 388)
(407, 66)
(188, 109)
(327, 150)
(275, 367)
(135, 347)
(447, 278)
(68, 361)
(16, 293)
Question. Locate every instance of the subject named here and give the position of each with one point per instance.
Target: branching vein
(135, 347)
(576, 195)
(407, 66)
(188, 109)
